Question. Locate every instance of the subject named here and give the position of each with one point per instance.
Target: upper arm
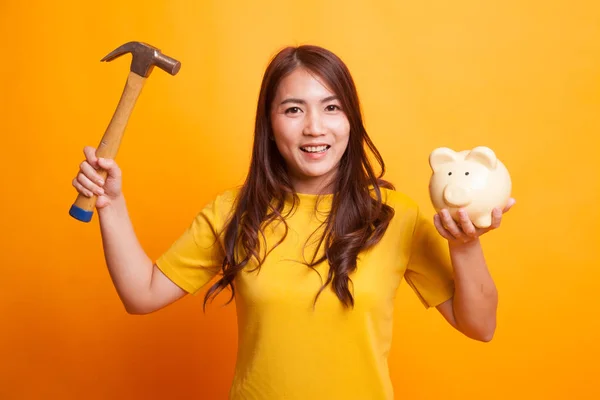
(429, 269)
(162, 292)
(447, 310)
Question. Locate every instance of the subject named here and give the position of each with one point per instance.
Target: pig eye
(449, 173)
(466, 173)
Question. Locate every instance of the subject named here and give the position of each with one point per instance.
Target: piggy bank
(474, 180)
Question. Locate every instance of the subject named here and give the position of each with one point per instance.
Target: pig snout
(457, 196)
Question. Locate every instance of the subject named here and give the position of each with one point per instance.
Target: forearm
(129, 267)
(476, 297)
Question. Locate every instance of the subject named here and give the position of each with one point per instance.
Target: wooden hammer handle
(83, 207)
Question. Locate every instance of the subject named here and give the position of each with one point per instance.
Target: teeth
(315, 149)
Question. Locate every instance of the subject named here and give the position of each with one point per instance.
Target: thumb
(110, 166)
(511, 202)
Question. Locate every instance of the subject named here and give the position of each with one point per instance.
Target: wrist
(115, 207)
(461, 247)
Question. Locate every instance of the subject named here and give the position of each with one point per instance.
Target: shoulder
(227, 197)
(398, 200)
(221, 205)
(407, 211)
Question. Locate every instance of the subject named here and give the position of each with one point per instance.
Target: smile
(315, 149)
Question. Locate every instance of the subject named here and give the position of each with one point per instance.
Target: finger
(90, 156)
(437, 221)
(91, 173)
(81, 189)
(87, 184)
(496, 218)
(511, 202)
(466, 224)
(450, 224)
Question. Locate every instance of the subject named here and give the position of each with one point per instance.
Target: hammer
(144, 58)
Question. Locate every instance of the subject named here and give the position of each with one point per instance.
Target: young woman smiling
(313, 245)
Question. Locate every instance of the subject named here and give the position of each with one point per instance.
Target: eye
(332, 107)
(449, 173)
(466, 173)
(292, 110)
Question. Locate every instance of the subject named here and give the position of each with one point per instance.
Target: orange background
(520, 77)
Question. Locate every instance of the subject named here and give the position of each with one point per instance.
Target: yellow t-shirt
(288, 349)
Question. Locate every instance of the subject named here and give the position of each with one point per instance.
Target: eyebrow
(300, 101)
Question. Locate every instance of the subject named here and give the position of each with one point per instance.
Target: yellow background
(520, 77)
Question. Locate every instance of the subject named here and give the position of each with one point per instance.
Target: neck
(323, 186)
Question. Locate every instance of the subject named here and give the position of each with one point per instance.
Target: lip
(315, 144)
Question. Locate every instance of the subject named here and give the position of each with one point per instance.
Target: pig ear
(483, 155)
(440, 156)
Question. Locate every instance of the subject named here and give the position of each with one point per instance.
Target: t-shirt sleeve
(429, 270)
(197, 255)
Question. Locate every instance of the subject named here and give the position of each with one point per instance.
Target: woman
(313, 246)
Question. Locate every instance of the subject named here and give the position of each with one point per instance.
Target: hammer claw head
(144, 58)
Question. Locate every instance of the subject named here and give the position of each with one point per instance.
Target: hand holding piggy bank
(474, 180)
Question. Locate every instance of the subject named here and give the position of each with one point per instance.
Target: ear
(440, 156)
(483, 155)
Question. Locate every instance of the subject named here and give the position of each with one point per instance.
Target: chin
(313, 174)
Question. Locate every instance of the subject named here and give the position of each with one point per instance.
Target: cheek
(341, 127)
(283, 129)
(283, 139)
(343, 133)
(276, 126)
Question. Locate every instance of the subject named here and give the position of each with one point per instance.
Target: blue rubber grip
(80, 214)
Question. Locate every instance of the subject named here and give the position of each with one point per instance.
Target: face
(310, 129)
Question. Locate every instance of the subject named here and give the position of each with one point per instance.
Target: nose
(457, 196)
(313, 125)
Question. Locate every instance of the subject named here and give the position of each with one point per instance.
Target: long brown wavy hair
(357, 219)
